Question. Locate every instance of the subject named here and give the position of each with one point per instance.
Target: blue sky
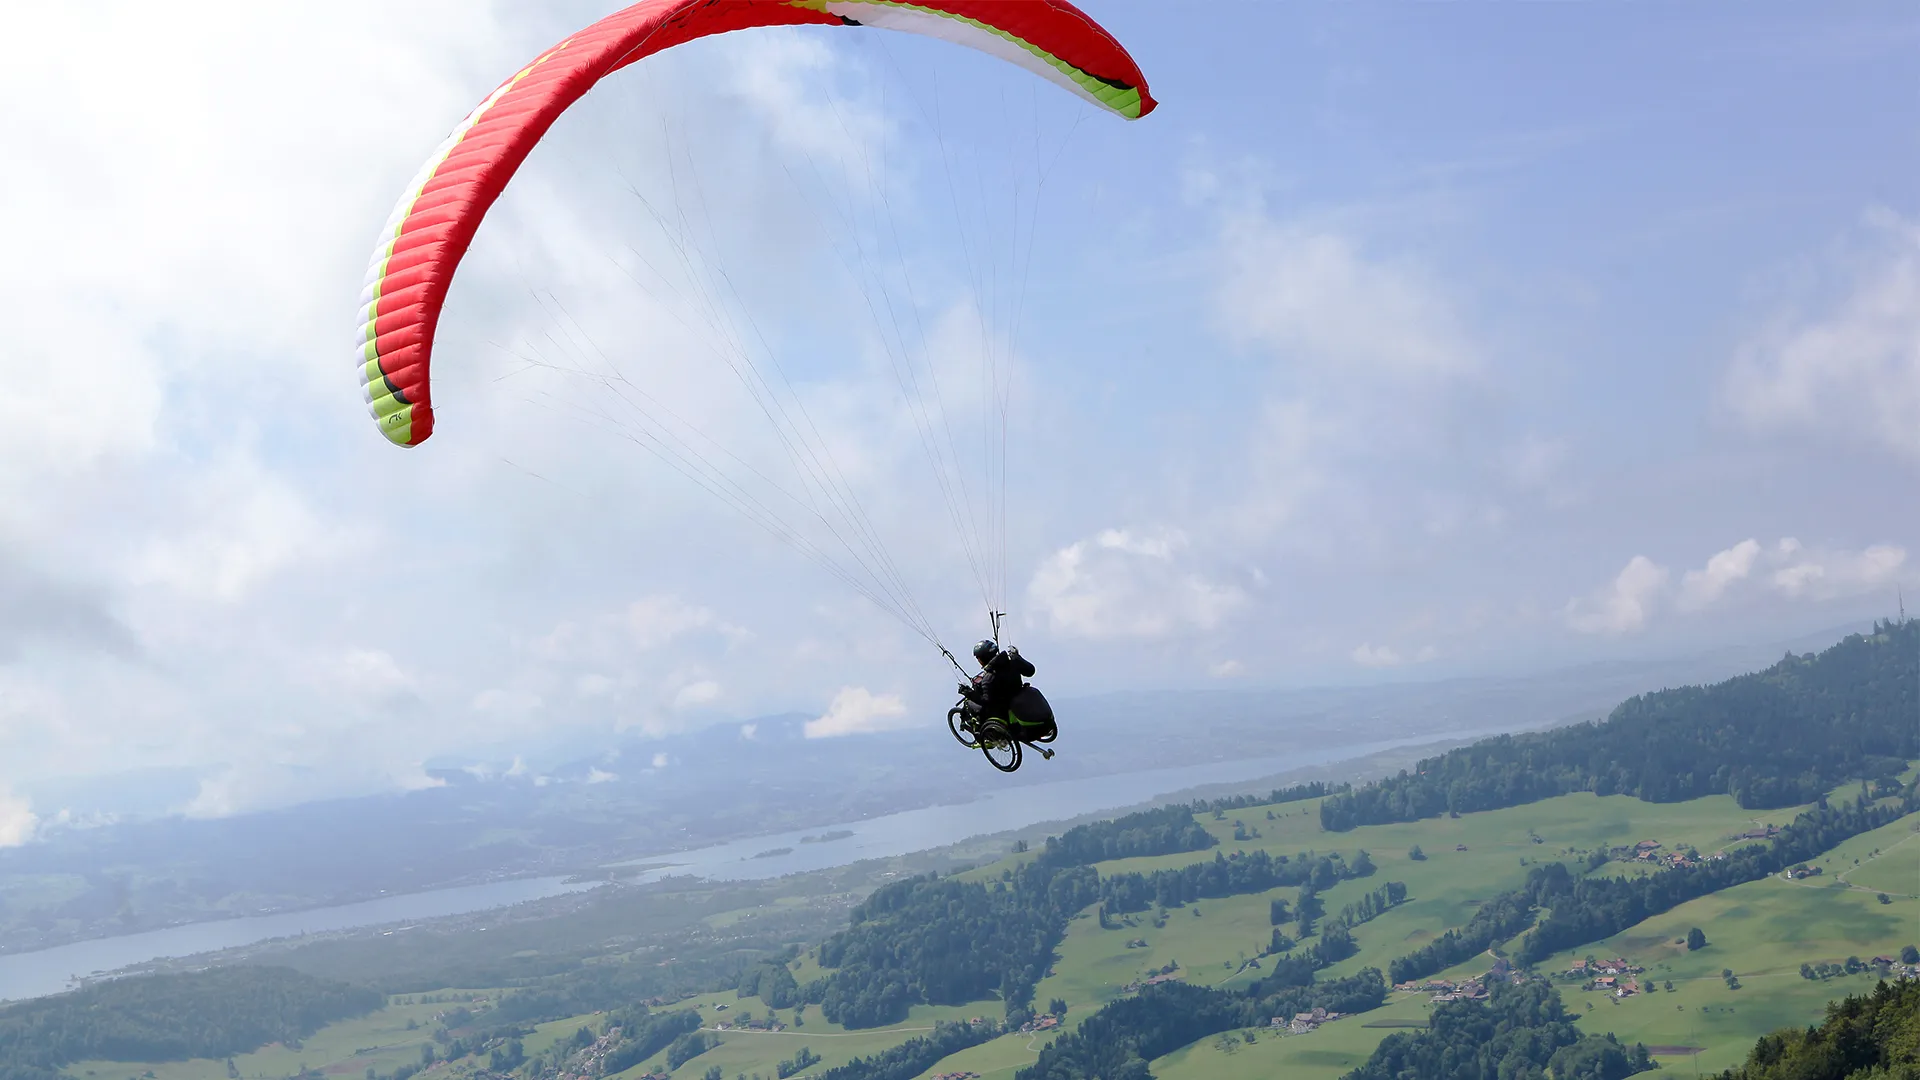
(1399, 342)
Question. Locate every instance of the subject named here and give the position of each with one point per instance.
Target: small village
(1648, 851)
(1474, 989)
(1443, 990)
(1654, 853)
(1301, 1023)
(1608, 975)
(1044, 1022)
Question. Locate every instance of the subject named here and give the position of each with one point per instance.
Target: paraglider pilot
(999, 681)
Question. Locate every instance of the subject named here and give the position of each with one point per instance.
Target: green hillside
(1171, 940)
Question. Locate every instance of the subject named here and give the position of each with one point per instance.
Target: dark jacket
(995, 687)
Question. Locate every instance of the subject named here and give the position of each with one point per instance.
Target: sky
(1399, 342)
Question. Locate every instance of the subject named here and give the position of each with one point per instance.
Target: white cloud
(238, 789)
(597, 775)
(655, 621)
(1287, 463)
(1311, 296)
(504, 700)
(1370, 363)
(1123, 583)
(748, 731)
(858, 711)
(1827, 575)
(1853, 372)
(242, 524)
(136, 154)
(1386, 656)
(647, 625)
(1622, 606)
(1699, 588)
(413, 778)
(1375, 655)
(1791, 570)
(776, 73)
(17, 819)
(694, 695)
(1226, 669)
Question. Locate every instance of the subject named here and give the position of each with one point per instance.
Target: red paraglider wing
(436, 219)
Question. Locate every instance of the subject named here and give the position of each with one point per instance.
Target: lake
(49, 971)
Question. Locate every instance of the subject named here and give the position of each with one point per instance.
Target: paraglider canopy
(437, 216)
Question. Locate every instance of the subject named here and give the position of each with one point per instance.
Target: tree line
(1592, 908)
(1587, 909)
(1117, 1042)
(644, 1033)
(1495, 920)
(1316, 789)
(1772, 738)
(1371, 906)
(916, 1055)
(1226, 875)
(1521, 1032)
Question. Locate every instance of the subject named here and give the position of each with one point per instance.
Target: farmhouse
(1306, 1021)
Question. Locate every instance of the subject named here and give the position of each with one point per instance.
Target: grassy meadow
(1763, 930)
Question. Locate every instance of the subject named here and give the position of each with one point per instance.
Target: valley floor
(1762, 931)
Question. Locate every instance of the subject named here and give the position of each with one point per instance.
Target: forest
(1165, 831)
(1864, 1037)
(946, 942)
(209, 1014)
(1772, 738)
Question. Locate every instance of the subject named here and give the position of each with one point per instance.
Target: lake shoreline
(41, 972)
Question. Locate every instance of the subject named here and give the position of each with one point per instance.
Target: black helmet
(986, 650)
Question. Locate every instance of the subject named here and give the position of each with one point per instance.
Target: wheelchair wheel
(999, 745)
(957, 723)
